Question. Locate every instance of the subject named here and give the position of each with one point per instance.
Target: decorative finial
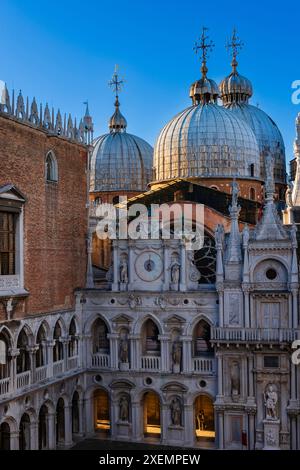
(117, 122)
(87, 111)
(205, 47)
(235, 45)
(116, 83)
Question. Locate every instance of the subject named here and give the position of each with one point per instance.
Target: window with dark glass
(7, 243)
(271, 361)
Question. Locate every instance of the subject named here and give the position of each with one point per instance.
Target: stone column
(88, 413)
(51, 430)
(89, 270)
(164, 352)
(115, 284)
(65, 342)
(295, 308)
(164, 423)
(34, 435)
(68, 426)
(247, 306)
(187, 361)
(50, 345)
(220, 429)
(14, 440)
(14, 353)
(166, 284)
(136, 413)
(220, 375)
(182, 285)
(114, 353)
(135, 352)
(114, 415)
(293, 420)
(80, 418)
(221, 305)
(251, 430)
(251, 376)
(189, 425)
(32, 356)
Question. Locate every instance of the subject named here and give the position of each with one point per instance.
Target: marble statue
(176, 354)
(124, 271)
(235, 379)
(271, 400)
(123, 409)
(176, 412)
(124, 350)
(175, 272)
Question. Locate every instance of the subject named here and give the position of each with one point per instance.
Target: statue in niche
(271, 400)
(124, 271)
(288, 195)
(176, 353)
(123, 408)
(200, 420)
(176, 412)
(235, 379)
(175, 272)
(234, 310)
(124, 350)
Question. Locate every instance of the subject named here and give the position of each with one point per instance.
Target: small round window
(271, 274)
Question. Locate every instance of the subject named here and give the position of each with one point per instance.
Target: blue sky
(64, 52)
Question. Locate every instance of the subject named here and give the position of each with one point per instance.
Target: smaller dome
(117, 122)
(235, 88)
(204, 90)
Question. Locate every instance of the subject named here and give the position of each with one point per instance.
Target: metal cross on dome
(203, 45)
(116, 83)
(235, 45)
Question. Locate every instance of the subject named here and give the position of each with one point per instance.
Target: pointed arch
(51, 168)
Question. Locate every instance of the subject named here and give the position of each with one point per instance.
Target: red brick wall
(55, 221)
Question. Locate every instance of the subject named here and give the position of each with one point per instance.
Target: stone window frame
(13, 201)
(53, 177)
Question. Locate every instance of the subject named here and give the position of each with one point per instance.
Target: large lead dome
(120, 161)
(235, 91)
(206, 140)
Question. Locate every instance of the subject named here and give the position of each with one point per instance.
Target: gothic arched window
(51, 167)
(205, 260)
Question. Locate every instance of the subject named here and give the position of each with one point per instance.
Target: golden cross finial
(203, 45)
(235, 45)
(116, 83)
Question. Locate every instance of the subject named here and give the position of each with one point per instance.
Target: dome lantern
(204, 90)
(235, 88)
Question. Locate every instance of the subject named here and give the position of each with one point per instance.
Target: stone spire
(234, 254)
(296, 188)
(270, 226)
(88, 126)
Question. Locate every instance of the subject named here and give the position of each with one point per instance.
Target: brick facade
(55, 214)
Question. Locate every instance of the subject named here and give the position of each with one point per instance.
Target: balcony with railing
(151, 363)
(58, 368)
(255, 335)
(73, 362)
(101, 361)
(42, 373)
(23, 379)
(204, 365)
(4, 385)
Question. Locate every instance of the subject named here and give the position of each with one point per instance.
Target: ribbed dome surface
(267, 135)
(235, 87)
(120, 162)
(206, 141)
